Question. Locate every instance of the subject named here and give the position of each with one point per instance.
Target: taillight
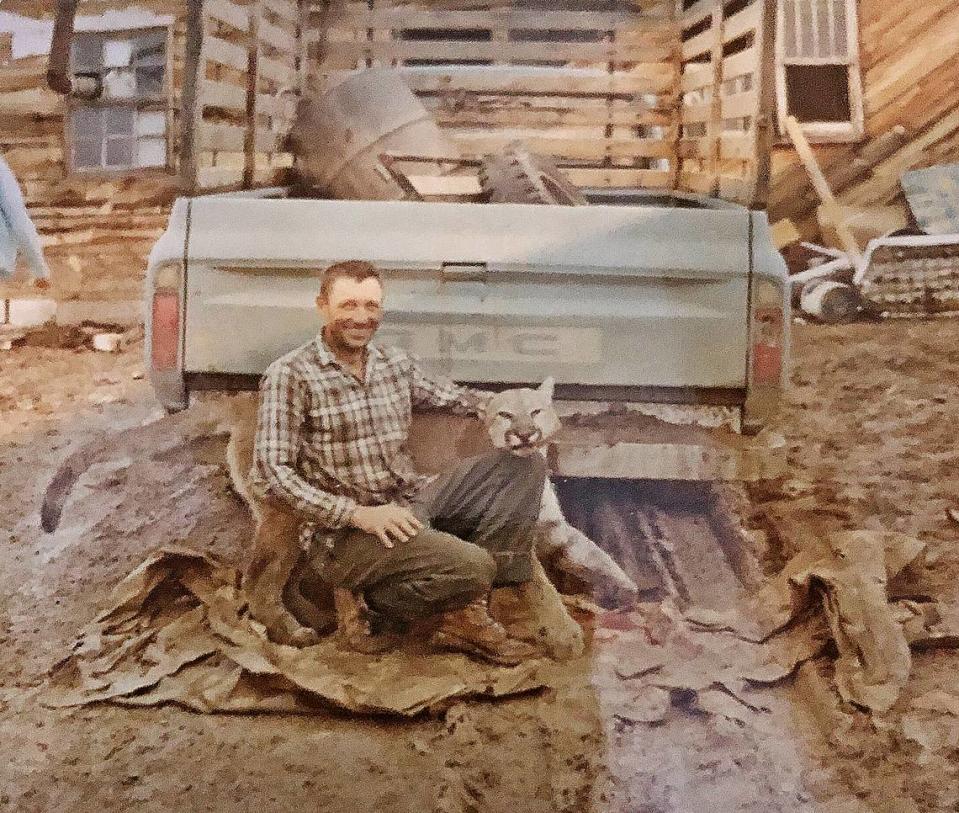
(165, 331)
(767, 349)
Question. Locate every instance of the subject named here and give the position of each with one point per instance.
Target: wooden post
(190, 111)
(714, 129)
(765, 76)
(252, 86)
(821, 185)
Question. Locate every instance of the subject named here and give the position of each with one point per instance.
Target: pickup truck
(670, 305)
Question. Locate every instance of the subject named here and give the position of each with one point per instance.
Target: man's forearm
(326, 509)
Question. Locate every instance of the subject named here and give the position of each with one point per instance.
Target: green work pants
(478, 517)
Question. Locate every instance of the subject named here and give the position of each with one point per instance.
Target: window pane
(151, 152)
(87, 52)
(119, 152)
(119, 83)
(87, 123)
(807, 46)
(788, 11)
(818, 92)
(149, 81)
(119, 120)
(117, 53)
(149, 48)
(842, 40)
(151, 123)
(86, 154)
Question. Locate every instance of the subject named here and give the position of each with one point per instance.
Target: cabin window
(818, 78)
(126, 128)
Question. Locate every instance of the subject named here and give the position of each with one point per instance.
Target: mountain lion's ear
(547, 387)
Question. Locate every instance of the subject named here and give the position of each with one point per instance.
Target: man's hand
(386, 522)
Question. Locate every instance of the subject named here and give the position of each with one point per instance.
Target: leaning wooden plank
(821, 185)
(695, 113)
(571, 51)
(696, 148)
(742, 22)
(222, 94)
(215, 177)
(224, 11)
(700, 182)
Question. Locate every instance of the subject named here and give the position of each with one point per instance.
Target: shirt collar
(327, 358)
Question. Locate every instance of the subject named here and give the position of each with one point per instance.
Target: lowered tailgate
(594, 295)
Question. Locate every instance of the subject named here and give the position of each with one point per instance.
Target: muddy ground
(871, 422)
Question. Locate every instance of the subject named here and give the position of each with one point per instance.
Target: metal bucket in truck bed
(616, 302)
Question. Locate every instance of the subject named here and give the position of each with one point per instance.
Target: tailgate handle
(464, 272)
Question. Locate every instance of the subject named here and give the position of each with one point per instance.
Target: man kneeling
(396, 546)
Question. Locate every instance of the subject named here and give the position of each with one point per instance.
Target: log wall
(910, 63)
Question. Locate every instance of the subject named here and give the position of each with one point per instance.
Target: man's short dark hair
(358, 270)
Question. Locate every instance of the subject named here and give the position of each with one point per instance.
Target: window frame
(162, 102)
(835, 132)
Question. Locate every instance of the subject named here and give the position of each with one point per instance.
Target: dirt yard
(871, 425)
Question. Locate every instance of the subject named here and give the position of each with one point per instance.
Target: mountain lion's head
(522, 420)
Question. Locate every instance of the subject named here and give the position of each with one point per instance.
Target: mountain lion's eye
(507, 415)
(535, 412)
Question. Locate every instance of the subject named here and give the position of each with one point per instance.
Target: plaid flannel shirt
(327, 442)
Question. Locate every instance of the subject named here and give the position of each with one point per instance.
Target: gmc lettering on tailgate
(503, 344)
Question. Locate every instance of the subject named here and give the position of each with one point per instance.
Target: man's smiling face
(352, 312)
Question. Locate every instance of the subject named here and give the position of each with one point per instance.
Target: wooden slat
(739, 105)
(700, 148)
(360, 17)
(287, 9)
(738, 146)
(340, 52)
(699, 45)
(735, 189)
(696, 77)
(570, 148)
(274, 70)
(693, 113)
(222, 94)
(266, 141)
(698, 12)
(216, 177)
(503, 116)
(621, 178)
(741, 64)
(276, 37)
(225, 53)
(699, 182)
(224, 11)
(221, 137)
(743, 22)
(654, 78)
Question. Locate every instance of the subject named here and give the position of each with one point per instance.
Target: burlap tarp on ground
(176, 631)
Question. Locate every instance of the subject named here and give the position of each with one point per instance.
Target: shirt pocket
(333, 418)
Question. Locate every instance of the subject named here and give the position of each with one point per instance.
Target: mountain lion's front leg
(275, 553)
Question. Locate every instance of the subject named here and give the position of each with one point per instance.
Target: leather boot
(353, 625)
(474, 631)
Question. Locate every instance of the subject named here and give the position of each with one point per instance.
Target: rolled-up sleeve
(437, 392)
(283, 403)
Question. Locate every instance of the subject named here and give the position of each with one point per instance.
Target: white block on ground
(31, 312)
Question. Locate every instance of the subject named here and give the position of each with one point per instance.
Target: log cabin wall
(909, 57)
(97, 223)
